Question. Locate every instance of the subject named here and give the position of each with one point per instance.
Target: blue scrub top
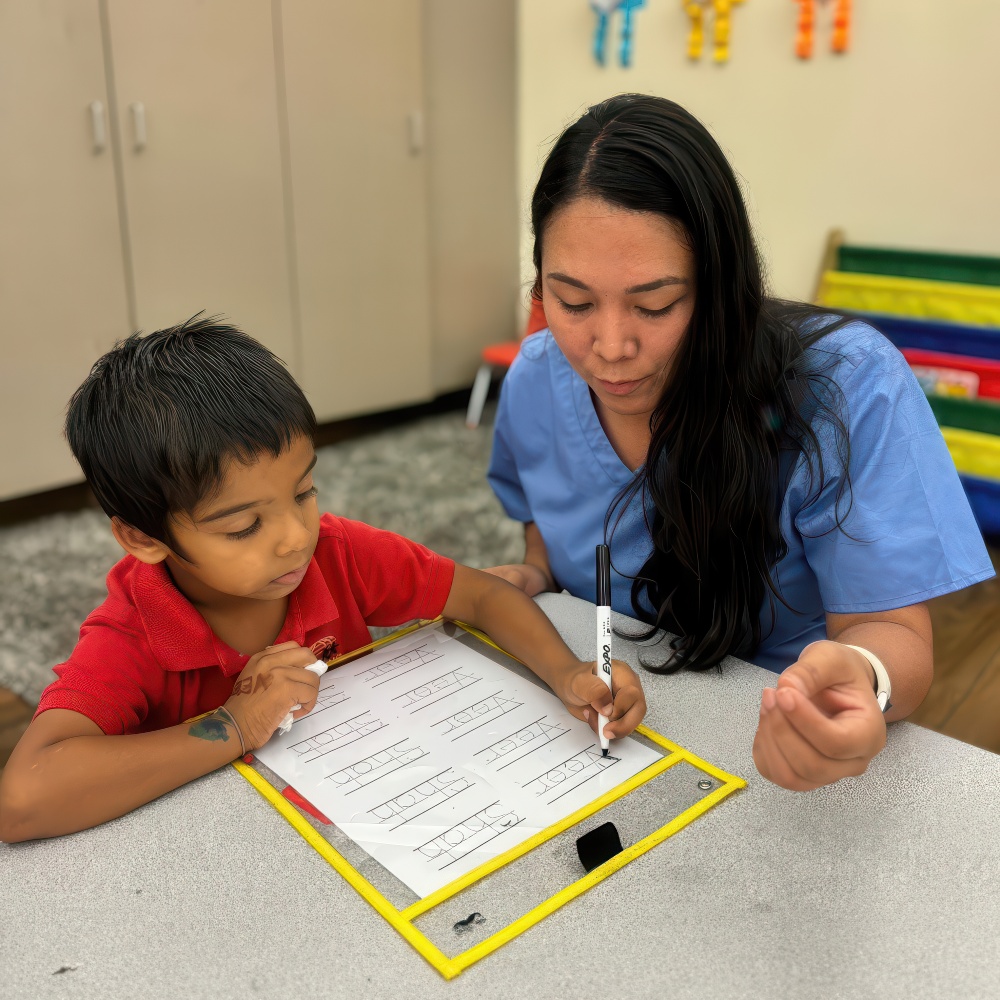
(909, 534)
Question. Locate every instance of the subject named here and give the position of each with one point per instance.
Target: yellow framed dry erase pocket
(450, 788)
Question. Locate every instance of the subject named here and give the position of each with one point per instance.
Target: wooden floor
(964, 700)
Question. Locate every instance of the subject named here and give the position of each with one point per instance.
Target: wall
(896, 141)
(470, 88)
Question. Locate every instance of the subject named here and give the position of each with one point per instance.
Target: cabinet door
(201, 163)
(353, 75)
(62, 286)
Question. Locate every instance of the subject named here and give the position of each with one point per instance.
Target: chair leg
(477, 399)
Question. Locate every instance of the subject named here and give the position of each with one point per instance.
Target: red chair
(499, 357)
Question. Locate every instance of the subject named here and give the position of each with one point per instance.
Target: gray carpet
(426, 480)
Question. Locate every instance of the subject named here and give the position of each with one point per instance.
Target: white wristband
(883, 686)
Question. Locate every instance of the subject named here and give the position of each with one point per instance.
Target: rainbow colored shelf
(942, 310)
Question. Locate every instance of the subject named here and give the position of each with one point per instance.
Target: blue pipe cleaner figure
(604, 9)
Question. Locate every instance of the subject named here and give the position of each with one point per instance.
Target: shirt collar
(181, 639)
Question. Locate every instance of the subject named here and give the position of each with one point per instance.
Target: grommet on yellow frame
(403, 920)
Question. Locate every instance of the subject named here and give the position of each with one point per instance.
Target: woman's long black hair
(742, 392)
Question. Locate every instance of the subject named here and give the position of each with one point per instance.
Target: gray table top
(887, 885)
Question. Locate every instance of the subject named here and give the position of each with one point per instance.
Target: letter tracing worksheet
(435, 759)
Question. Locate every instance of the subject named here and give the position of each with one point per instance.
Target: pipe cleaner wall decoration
(604, 9)
(805, 30)
(721, 9)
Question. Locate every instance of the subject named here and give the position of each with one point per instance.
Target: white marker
(603, 631)
(318, 668)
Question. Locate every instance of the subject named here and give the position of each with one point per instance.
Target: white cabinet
(260, 159)
(359, 182)
(62, 286)
(201, 163)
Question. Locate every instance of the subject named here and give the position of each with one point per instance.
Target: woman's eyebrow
(567, 280)
(646, 286)
(651, 286)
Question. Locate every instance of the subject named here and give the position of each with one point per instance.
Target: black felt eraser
(599, 846)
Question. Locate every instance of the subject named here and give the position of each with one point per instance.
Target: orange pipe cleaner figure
(807, 22)
(841, 26)
(804, 29)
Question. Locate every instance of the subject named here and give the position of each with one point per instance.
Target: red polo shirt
(147, 659)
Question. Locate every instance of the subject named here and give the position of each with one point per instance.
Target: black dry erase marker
(603, 630)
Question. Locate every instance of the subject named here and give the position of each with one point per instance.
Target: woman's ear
(138, 543)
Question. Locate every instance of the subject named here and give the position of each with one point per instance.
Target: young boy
(199, 446)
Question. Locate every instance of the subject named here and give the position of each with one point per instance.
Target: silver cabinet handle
(98, 126)
(415, 120)
(138, 110)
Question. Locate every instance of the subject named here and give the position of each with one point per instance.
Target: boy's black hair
(160, 417)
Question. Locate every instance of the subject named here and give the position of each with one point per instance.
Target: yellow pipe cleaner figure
(696, 38)
(807, 23)
(695, 9)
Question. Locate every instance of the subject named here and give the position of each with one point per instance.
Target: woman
(770, 478)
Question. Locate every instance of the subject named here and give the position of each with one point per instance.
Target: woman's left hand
(822, 722)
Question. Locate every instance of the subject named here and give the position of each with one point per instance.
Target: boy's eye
(308, 495)
(246, 532)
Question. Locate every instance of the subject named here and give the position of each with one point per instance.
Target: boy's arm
(517, 624)
(66, 775)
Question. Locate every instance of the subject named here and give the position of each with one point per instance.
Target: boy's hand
(272, 682)
(519, 626)
(822, 722)
(587, 696)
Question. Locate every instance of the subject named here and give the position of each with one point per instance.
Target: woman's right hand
(272, 683)
(532, 576)
(531, 579)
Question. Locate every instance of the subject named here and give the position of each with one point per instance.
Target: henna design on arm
(251, 685)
